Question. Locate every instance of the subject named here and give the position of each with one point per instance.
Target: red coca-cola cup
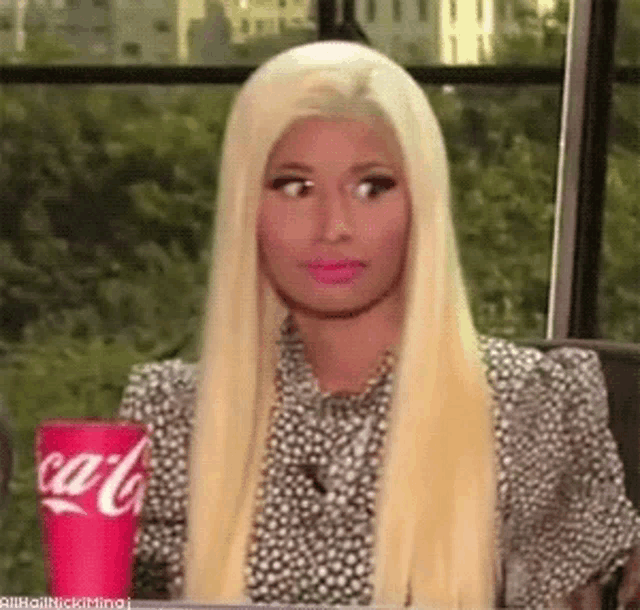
(92, 476)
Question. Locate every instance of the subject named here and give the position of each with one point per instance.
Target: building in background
(409, 31)
(254, 18)
(209, 38)
(247, 31)
(98, 31)
(146, 31)
(439, 31)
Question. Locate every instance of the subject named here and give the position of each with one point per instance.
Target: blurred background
(107, 190)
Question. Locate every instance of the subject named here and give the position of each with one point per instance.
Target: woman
(352, 441)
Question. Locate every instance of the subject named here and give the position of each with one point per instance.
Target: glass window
(480, 48)
(132, 49)
(619, 289)
(5, 23)
(507, 9)
(524, 38)
(454, 49)
(500, 9)
(99, 48)
(422, 10)
(503, 151)
(259, 26)
(619, 286)
(100, 3)
(397, 10)
(628, 33)
(371, 10)
(161, 25)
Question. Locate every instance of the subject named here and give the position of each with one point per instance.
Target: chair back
(621, 367)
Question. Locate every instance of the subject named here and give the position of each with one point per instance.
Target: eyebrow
(359, 167)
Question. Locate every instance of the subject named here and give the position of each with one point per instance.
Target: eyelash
(278, 183)
(387, 183)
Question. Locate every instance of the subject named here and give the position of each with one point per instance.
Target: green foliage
(627, 39)
(503, 150)
(504, 215)
(48, 48)
(619, 295)
(90, 199)
(42, 48)
(536, 39)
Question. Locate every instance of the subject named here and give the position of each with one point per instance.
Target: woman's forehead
(370, 131)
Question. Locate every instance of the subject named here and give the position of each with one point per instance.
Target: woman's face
(334, 216)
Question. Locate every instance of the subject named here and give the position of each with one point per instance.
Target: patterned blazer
(564, 517)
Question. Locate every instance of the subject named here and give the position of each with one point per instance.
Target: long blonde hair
(435, 509)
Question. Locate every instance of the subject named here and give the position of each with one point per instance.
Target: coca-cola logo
(120, 489)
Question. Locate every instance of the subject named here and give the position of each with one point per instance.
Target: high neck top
(313, 530)
(296, 370)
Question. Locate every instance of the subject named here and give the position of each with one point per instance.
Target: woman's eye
(374, 186)
(292, 187)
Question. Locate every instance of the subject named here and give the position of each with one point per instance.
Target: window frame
(582, 167)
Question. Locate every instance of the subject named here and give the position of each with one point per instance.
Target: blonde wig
(435, 520)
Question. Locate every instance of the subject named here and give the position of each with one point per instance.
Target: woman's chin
(331, 308)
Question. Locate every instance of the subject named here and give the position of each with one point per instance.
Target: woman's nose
(336, 220)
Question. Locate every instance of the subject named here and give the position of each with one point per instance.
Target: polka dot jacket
(563, 514)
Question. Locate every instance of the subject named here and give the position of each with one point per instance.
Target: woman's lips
(336, 272)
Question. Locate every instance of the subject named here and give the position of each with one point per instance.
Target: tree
(89, 197)
(42, 48)
(260, 48)
(628, 28)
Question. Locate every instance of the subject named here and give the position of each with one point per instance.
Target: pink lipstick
(336, 272)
